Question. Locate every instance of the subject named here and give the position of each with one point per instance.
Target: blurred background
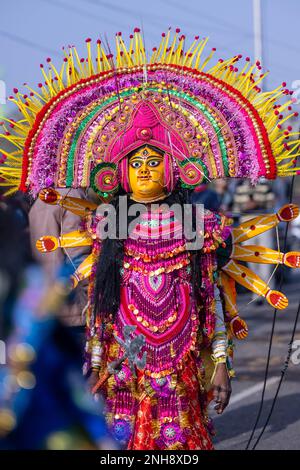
(265, 30)
(33, 30)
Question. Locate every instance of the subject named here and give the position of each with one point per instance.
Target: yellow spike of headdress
(217, 121)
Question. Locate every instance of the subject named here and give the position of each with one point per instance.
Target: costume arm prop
(262, 223)
(66, 240)
(251, 281)
(83, 271)
(234, 252)
(78, 206)
(261, 254)
(238, 326)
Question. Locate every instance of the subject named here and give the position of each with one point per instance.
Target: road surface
(235, 425)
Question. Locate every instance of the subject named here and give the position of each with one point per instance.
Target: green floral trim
(92, 179)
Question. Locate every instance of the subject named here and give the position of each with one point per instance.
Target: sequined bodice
(156, 292)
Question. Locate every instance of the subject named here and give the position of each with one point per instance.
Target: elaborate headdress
(86, 116)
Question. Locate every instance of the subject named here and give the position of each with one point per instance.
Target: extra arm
(84, 270)
(73, 239)
(76, 205)
(262, 223)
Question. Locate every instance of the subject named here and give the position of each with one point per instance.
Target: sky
(32, 30)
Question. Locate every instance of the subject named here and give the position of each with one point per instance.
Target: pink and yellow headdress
(77, 129)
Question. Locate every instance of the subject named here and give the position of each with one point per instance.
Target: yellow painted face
(146, 175)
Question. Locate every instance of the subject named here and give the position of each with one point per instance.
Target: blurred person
(15, 251)
(212, 195)
(56, 220)
(43, 399)
(207, 196)
(221, 188)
